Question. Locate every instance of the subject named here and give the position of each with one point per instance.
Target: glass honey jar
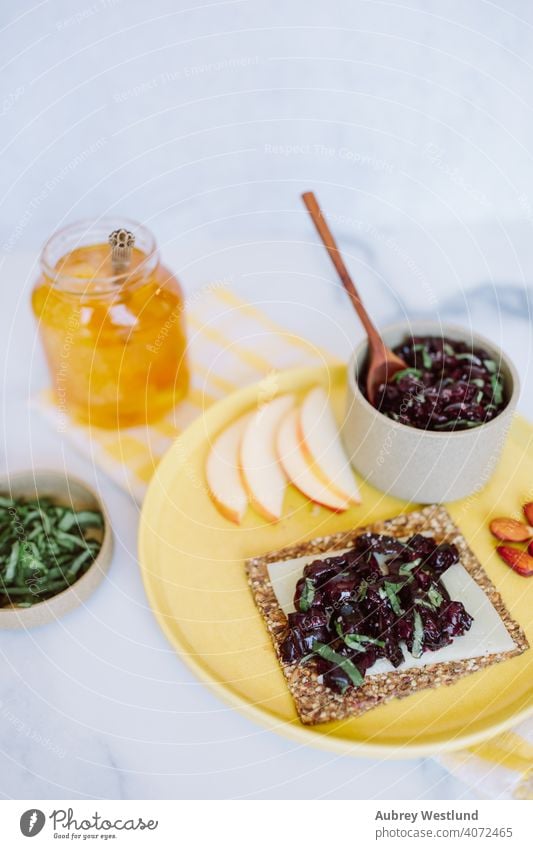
(112, 324)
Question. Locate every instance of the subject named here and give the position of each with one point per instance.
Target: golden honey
(115, 342)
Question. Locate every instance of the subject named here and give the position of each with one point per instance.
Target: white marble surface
(199, 114)
(413, 122)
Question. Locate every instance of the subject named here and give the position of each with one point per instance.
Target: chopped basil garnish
(360, 642)
(423, 603)
(362, 591)
(435, 596)
(83, 519)
(343, 663)
(307, 596)
(407, 568)
(497, 389)
(415, 372)
(389, 591)
(433, 601)
(427, 362)
(471, 357)
(418, 636)
(456, 423)
(43, 549)
(12, 563)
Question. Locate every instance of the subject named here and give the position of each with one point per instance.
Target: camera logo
(32, 822)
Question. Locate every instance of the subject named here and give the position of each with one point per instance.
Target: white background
(171, 111)
(413, 123)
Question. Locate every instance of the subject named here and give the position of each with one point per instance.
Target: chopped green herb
(343, 663)
(78, 562)
(415, 372)
(83, 519)
(447, 348)
(43, 549)
(360, 642)
(390, 591)
(363, 589)
(406, 568)
(471, 357)
(11, 567)
(490, 365)
(435, 596)
(423, 603)
(427, 362)
(478, 381)
(497, 389)
(418, 636)
(457, 423)
(307, 596)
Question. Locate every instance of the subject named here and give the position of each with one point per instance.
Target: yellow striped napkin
(227, 336)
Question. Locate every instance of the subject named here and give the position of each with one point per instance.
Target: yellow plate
(192, 562)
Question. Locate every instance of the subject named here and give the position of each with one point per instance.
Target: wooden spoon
(382, 362)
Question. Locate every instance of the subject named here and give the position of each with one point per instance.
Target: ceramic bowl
(66, 490)
(424, 466)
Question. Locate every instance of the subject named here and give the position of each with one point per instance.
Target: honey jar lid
(121, 242)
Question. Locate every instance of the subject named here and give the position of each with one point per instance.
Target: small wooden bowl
(68, 491)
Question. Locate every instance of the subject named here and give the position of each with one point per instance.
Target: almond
(528, 512)
(510, 530)
(519, 561)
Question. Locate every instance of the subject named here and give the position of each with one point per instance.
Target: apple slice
(297, 468)
(263, 476)
(322, 446)
(222, 472)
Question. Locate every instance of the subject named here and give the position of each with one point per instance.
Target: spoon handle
(331, 246)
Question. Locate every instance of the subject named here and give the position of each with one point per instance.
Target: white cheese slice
(487, 635)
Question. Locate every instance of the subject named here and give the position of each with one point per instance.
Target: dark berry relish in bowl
(365, 604)
(447, 385)
(438, 429)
